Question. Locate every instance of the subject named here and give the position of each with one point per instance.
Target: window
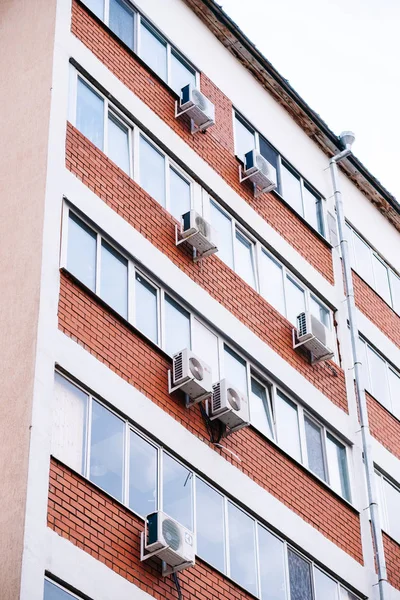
(122, 22)
(181, 73)
(177, 327)
(260, 408)
(179, 194)
(152, 171)
(118, 143)
(223, 225)
(315, 452)
(271, 275)
(376, 375)
(319, 311)
(205, 345)
(128, 465)
(373, 269)
(52, 591)
(235, 370)
(90, 113)
(295, 300)
(299, 577)
(337, 464)
(242, 551)
(177, 491)
(272, 566)
(153, 50)
(389, 503)
(244, 259)
(290, 185)
(96, 6)
(143, 475)
(82, 249)
(210, 525)
(114, 279)
(106, 450)
(70, 409)
(287, 424)
(146, 308)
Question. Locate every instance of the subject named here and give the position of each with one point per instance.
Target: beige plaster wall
(26, 55)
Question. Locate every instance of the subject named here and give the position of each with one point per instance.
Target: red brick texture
(392, 555)
(146, 215)
(384, 426)
(376, 309)
(216, 147)
(107, 337)
(82, 514)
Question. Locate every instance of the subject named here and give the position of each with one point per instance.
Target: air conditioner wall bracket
(296, 344)
(188, 402)
(257, 191)
(193, 127)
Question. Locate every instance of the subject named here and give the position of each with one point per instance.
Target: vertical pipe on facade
(360, 391)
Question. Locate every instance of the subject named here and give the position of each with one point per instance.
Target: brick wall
(216, 147)
(392, 555)
(84, 318)
(146, 215)
(376, 309)
(384, 426)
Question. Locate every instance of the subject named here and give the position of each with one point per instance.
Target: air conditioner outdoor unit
(168, 540)
(197, 232)
(191, 375)
(199, 108)
(229, 405)
(259, 171)
(313, 335)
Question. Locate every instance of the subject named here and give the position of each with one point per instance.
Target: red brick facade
(216, 147)
(392, 555)
(384, 426)
(85, 320)
(146, 215)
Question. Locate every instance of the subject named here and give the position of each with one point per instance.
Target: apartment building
(103, 284)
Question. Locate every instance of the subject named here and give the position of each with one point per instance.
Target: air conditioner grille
(302, 324)
(233, 399)
(216, 397)
(178, 367)
(199, 99)
(171, 533)
(196, 368)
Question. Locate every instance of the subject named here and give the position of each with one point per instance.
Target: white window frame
(368, 382)
(280, 161)
(383, 506)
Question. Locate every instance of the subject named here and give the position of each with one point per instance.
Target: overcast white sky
(343, 58)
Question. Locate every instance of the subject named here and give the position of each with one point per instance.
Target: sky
(343, 58)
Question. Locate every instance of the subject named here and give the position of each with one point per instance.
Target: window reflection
(177, 491)
(210, 525)
(142, 475)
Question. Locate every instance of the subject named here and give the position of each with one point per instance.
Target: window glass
(295, 301)
(395, 288)
(272, 282)
(362, 255)
(122, 21)
(287, 425)
(272, 157)
(69, 423)
(205, 345)
(244, 265)
(346, 595)
(381, 279)
(177, 327)
(181, 74)
(319, 311)
(152, 171)
(242, 552)
(210, 525)
(81, 258)
(378, 377)
(177, 491)
(244, 139)
(349, 235)
(223, 225)
(142, 475)
(260, 412)
(291, 189)
(392, 497)
(107, 450)
(114, 279)
(313, 209)
(362, 349)
(118, 143)
(325, 587)
(179, 194)
(54, 592)
(235, 370)
(146, 308)
(272, 566)
(153, 50)
(394, 386)
(337, 466)
(90, 114)
(299, 577)
(315, 451)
